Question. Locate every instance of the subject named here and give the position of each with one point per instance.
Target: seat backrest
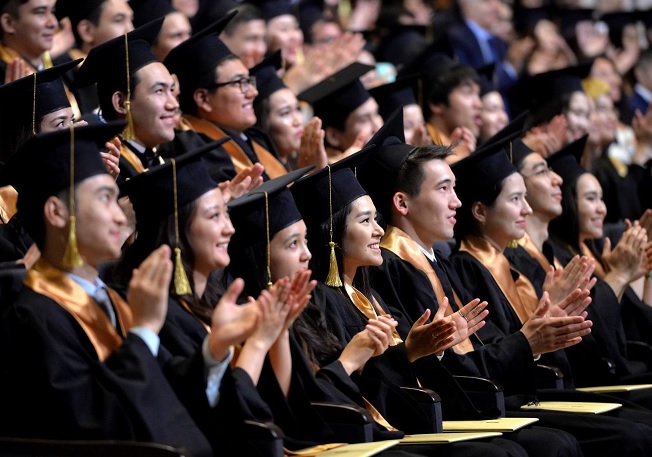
(23, 447)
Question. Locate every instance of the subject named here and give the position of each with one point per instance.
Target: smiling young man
(414, 188)
(142, 91)
(27, 29)
(217, 95)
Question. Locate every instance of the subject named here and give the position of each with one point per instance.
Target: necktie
(151, 159)
(102, 299)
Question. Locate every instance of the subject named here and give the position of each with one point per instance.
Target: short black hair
(106, 96)
(446, 82)
(93, 18)
(246, 13)
(11, 8)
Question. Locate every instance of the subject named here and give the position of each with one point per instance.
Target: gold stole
(398, 242)
(520, 292)
(362, 303)
(8, 197)
(436, 135)
(273, 167)
(528, 245)
(370, 311)
(48, 280)
(600, 271)
(131, 157)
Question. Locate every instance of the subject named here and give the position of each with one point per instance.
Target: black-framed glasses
(545, 171)
(245, 83)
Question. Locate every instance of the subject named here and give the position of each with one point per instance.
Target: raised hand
(312, 150)
(562, 281)
(624, 262)
(370, 342)
(148, 290)
(432, 338)
(111, 158)
(231, 323)
(547, 333)
(468, 320)
(248, 179)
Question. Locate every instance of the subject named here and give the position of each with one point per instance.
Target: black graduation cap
(107, 65)
(537, 91)
(36, 95)
(77, 10)
(401, 92)
(525, 19)
(263, 212)
(520, 151)
(267, 80)
(146, 11)
(515, 126)
(617, 21)
(273, 8)
(41, 168)
(566, 162)
(569, 18)
(323, 193)
(379, 171)
(482, 169)
(337, 96)
(401, 44)
(152, 193)
(200, 54)
(334, 186)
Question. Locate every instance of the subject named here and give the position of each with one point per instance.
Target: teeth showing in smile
(374, 246)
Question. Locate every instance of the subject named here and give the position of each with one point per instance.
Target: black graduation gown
(52, 384)
(620, 194)
(504, 357)
(382, 377)
(612, 428)
(218, 162)
(86, 97)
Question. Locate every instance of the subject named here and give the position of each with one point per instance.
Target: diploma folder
(572, 407)
(614, 389)
(501, 424)
(444, 438)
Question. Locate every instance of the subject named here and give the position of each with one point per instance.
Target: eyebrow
(444, 181)
(539, 165)
(238, 76)
(363, 213)
(110, 189)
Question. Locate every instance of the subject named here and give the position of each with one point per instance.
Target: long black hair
(154, 235)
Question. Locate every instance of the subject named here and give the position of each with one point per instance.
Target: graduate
(217, 94)
(73, 349)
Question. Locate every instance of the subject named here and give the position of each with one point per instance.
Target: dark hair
(249, 262)
(32, 218)
(445, 83)
(11, 8)
(203, 81)
(566, 227)
(467, 224)
(105, 95)
(318, 243)
(547, 110)
(94, 18)
(154, 235)
(246, 13)
(14, 137)
(261, 108)
(411, 175)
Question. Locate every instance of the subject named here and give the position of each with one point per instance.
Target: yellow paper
(620, 388)
(349, 450)
(501, 424)
(442, 438)
(573, 407)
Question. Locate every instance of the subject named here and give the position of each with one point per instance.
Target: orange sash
(520, 292)
(528, 245)
(273, 167)
(371, 312)
(600, 271)
(439, 137)
(398, 242)
(48, 280)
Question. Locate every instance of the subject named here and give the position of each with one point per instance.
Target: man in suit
(642, 95)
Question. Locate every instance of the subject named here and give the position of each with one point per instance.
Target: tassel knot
(71, 257)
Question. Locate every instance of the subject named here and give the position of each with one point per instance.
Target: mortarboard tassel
(71, 257)
(269, 248)
(333, 277)
(128, 133)
(181, 283)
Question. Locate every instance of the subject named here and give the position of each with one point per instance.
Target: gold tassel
(128, 133)
(71, 257)
(512, 244)
(181, 283)
(333, 278)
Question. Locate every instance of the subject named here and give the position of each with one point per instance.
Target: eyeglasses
(546, 171)
(245, 83)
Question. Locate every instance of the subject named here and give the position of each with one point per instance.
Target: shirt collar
(643, 92)
(478, 31)
(89, 287)
(430, 254)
